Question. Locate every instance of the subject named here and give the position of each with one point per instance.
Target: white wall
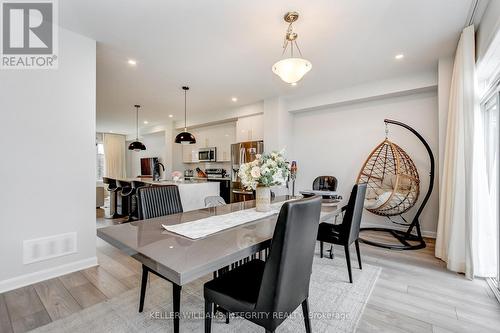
(277, 126)
(363, 92)
(155, 147)
(213, 116)
(48, 166)
(336, 141)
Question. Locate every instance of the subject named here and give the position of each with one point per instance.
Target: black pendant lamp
(185, 138)
(137, 145)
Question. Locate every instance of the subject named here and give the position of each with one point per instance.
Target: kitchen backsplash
(203, 166)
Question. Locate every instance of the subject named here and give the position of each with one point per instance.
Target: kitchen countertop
(205, 178)
(150, 181)
(192, 192)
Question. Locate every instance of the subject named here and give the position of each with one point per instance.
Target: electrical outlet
(49, 247)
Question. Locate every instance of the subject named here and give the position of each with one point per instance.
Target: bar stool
(134, 201)
(124, 197)
(113, 192)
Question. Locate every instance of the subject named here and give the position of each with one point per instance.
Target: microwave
(207, 154)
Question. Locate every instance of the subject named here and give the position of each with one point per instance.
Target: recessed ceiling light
(146, 122)
(399, 56)
(132, 62)
(234, 99)
(170, 115)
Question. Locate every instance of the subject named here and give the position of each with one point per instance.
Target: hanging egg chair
(393, 184)
(393, 187)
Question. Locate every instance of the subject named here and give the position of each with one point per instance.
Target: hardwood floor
(415, 293)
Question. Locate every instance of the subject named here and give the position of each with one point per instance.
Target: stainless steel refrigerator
(242, 152)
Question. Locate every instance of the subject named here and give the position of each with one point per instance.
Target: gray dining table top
(182, 260)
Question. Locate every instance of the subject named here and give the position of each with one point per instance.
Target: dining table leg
(176, 293)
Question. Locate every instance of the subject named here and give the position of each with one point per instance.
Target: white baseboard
(425, 233)
(27, 279)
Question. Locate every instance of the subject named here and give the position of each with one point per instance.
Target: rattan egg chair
(393, 184)
(393, 187)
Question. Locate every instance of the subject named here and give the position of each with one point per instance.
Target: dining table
(180, 259)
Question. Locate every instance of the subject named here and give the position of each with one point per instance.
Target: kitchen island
(193, 193)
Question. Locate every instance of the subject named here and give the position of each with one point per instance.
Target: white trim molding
(27, 279)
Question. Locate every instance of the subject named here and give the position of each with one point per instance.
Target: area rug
(335, 304)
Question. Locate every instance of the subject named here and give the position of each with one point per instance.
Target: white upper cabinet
(190, 152)
(218, 136)
(222, 138)
(250, 128)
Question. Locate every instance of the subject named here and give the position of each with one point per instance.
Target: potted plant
(265, 171)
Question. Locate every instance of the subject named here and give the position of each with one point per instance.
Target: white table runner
(211, 225)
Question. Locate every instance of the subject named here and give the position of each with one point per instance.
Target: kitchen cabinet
(190, 153)
(250, 128)
(222, 140)
(219, 136)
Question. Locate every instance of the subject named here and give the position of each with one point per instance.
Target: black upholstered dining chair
(325, 183)
(259, 289)
(347, 232)
(156, 201)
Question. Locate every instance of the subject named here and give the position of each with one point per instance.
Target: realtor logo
(29, 34)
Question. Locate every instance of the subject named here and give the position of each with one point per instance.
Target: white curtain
(114, 155)
(464, 213)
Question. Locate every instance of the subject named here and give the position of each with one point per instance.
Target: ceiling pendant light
(293, 69)
(137, 145)
(185, 137)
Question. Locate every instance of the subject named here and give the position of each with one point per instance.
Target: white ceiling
(225, 48)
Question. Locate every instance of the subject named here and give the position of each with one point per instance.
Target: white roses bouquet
(266, 170)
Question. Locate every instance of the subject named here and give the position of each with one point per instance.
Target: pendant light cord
(137, 123)
(185, 110)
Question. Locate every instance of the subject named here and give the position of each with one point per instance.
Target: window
(99, 146)
(490, 111)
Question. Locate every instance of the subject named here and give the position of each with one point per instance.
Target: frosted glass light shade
(291, 70)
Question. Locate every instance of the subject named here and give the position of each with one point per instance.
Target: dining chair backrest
(111, 183)
(137, 183)
(155, 201)
(353, 213)
(325, 183)
(122, 183)
(214, 201)
(125, 186)
(287, 272)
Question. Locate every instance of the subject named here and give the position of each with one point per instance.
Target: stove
(215, 173)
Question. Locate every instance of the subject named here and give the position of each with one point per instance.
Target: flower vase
(263, 199)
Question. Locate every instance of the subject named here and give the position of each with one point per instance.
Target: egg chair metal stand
(396, 205)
